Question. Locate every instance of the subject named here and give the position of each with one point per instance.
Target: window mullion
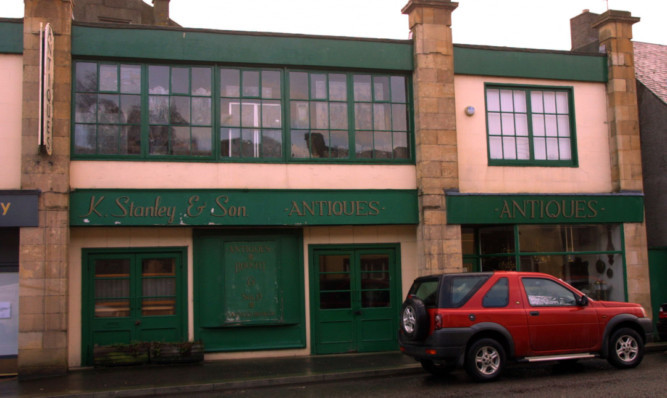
(351, 127)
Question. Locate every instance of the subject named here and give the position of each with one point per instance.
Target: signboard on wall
(46, 68)
(242, 207)
(19, 208)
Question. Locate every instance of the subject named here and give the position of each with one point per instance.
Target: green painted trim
(239, 47)
(143, 207)
(11, 36)
(509, 62)
(544, 209)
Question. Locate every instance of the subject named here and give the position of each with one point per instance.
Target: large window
(589, 257)
(530, 126)
(132, 111)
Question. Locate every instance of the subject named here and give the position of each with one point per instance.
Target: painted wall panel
(11, 111)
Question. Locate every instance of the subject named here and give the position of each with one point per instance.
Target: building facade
(275, 195)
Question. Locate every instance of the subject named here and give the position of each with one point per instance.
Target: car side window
(547, 293)
(498, 296)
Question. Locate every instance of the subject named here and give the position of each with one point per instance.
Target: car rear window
(426, 291)
(457, 290)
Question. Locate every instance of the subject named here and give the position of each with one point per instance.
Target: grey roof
(651, 67)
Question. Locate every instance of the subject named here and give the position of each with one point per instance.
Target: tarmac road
(587, 378)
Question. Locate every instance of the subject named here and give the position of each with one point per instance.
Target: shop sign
(46, 68)
(19, 209)
(242, 207)
(544, 209)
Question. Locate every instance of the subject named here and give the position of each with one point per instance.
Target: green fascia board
(11, 36)
(531, 64)
(109, 207)
(195, 45)
(544, 209)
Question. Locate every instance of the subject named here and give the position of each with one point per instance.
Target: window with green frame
(146, 111)
(530, 126)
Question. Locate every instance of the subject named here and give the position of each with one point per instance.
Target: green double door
(132, 297)
(355, 294)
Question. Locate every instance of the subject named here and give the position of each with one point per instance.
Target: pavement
(217, 376)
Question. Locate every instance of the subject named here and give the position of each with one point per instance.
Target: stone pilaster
(439, 244)
(43, 249)
(615, 35)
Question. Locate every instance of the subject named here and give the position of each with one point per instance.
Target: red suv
(479, 321)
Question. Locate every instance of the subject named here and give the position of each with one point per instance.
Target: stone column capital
(615, 16)
(430, 11)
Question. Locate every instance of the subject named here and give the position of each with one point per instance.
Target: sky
(539, 24)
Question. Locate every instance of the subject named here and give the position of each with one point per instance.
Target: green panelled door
(355, 295)
(130, 297)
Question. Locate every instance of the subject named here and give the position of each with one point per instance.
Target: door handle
(534, 313)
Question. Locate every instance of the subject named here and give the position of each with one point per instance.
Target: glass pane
(250, 83)
(318, 86)
(335, 263)
(509, 148)
(362, 88)
(201, 81)
(108, 78)
(157, 307)
(399, 114)
(540, 149)
(130, 140)
(382, 116)
(523, 148)
(319, 145)
(375, 299)
(299, 115)
(383, 145)
(107, 139)
(549, 102)
(179, 111)
(250, 143)
(495, 147)
(498, 295)
(180, 80)
(339, 145)
(270, 84)
(230, 112)
(333, 300)
(108, 109)
(229, 83)
(250, 113)
(130, 106)
(159, 287)
(299, 144)
(538, 125)
(319, 115)
(551, 125)
(298, 85)
(562, 102)
(86, 76)
(506, 101)
(158, 109)
(496, 240)
(381, 88)
(364, 144)
(337, 88)
(508, 123)
(86, 108)
(398, 89)
(493, 100)
(158, 267)
(112, 308)
(498, 263)
(494, 123)
(521, 123)
(201, 144)
(563, 126)
(85, 139)
(363, 116)
(201, 111)
(338, 115)
(158, 79)
(158, 140)
(536, 102)
(271, 114)
(519, 101)
(401, 150)
(230, 142)
(180, 140)
(113, 268)
(272, 144)
(552, 149)
(130, 79)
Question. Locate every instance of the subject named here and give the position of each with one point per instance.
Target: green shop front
(578, 238)
(256, 284)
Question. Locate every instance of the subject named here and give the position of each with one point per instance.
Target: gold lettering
(572, 208)
(552, 214)
(579, 212)
(295, 209)
(592, 206)
(192, 205)
(517, 207)
(119, 202)
(374, 206)
(93, 206)
(5, 207)
(506, 210)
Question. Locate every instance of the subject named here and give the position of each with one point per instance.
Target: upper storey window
(530, 126)
(133, 111)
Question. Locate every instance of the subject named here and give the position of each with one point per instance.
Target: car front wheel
(485, 360)
(626, 349)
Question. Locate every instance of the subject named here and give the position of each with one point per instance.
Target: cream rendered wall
(194, 175)
(81, 238)
(11, 113)
(593, 174)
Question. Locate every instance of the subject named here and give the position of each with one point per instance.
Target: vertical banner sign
(45, 133)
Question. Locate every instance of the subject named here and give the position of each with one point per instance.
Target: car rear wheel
(626, 349)
(437, 368)
(485, 360)
(414, 319)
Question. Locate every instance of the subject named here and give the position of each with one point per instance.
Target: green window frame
(216, 113)
(530, 126)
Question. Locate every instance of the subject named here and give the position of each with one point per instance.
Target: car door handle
(534, 313)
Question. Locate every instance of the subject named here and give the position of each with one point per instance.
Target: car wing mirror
(582, 301)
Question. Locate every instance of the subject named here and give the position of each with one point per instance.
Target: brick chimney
(161, 12)
(584, 37)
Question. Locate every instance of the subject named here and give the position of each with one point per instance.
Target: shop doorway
(132, 296)
(355, 294)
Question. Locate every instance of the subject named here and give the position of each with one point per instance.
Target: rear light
(437, 321)
(663, 314)
(431, 351)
